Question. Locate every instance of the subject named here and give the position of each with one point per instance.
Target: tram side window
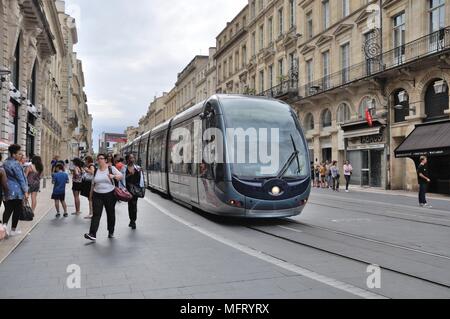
(149, 156)
(157, 149)
(163, 151)
(210, 122)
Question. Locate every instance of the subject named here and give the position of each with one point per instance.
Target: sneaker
(347, 191)
(66, 215)
(58, 215)
(110, 235)
(427, 206)
(90, 237)
(15, 233)
(6, 230)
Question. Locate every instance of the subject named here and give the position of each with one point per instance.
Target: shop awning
(431, 139)
(363, 132)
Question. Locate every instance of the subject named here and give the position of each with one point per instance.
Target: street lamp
(440, 86)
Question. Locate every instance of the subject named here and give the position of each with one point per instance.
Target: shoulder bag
(121, 194)
(27, 212)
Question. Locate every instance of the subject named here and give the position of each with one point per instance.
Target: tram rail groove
(359, 260)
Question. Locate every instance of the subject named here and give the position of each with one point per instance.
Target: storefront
(365, 149)
(431, 140)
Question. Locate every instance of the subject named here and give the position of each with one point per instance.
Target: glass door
(365, 169)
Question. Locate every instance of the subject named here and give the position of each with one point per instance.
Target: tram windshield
(264, 117)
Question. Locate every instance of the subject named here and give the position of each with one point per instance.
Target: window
(261, 81)
(244, 56)
(270, 29)
(326, 70)
(437, 15)
(345, 8)
(309, 71)
(326, 118)
(291, 13)
(309, 122)
(253, 43)
(326, 14)
(253, 9)
(280, 69)
(343, 113)
(225, 70)
(244, 21)
(32, 87)
(399, 37)
(15, 70)
(280, 21)
(260, 5)
(309, 25)
(236, 60)
(345, 62)
(271, 76)
(230, 65)
(292, 63)
(261, 37)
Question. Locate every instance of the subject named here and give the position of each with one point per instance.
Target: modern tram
(240, 177)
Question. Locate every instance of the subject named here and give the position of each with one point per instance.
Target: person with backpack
(134, 179)
(17, 189)
(103, 186)
(34, 174)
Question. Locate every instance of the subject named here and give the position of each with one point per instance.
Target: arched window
(326, 118)
(367, 103)
(309, 122)
(343, 113)
(436, 104)
(401, 105)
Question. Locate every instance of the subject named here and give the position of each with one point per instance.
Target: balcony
(412, 52)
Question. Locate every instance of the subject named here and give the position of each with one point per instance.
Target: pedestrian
(34, 175)
(119, 163)
(348, 171)
(77, 186)
(59, 180)
(323, 172)
(110, 160)
(103, 196)
(17, 189)
(54, 162)
(424, 180)
(3, 183)
(328, 175)
(133, 177)
(335, 175)
(89, 171)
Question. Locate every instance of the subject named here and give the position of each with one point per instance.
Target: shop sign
(379, 138)
(32, 130)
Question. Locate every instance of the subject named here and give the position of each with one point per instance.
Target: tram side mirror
(202, 116)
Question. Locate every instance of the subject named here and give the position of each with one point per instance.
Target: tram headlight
(276, 191)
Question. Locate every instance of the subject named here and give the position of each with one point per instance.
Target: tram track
(410, 217)
(305, 243)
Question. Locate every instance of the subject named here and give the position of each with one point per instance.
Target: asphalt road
(179, 253)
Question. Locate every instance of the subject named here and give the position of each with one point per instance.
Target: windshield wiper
(291, 158)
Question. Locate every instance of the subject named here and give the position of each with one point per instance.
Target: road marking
(275, 261)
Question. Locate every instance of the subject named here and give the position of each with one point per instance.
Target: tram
(240, 177)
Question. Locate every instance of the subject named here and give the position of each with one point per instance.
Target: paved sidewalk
(45, 204)
(395, 192)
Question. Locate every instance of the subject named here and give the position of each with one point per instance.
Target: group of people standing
(327, 175)
(20, 180)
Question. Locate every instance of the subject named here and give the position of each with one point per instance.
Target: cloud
(133, 50)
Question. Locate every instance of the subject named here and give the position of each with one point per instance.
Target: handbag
(122, 194)
(27, 213)
(137, 191)
(86, 188)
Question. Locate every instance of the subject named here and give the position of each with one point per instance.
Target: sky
(132, 51)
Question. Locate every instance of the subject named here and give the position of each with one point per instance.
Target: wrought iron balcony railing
(425, 46)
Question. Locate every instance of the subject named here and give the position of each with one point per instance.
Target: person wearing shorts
(60, 179)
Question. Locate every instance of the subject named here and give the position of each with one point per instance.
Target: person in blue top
(60, 179)
(17, 189)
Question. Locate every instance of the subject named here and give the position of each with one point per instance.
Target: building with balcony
(396, 71)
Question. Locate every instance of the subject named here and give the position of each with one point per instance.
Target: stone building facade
(35, 61)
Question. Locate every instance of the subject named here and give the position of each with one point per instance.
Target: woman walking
(77, 180)
(89, 172)
(103, 196)
(17, 189)
(133, 179)
(34, 174)
(348, 171)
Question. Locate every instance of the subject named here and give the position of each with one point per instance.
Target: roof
(430, 139)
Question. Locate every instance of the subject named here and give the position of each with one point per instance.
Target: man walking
(424, 180)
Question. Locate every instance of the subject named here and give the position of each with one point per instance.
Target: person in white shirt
(103, 186)
(348, 171)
